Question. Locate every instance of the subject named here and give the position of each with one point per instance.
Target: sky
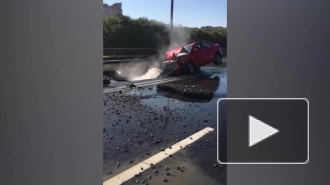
(190, 13)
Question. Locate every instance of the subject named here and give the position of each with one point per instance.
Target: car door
(197, 54)
(207, 52)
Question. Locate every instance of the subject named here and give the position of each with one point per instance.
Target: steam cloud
(134, 71)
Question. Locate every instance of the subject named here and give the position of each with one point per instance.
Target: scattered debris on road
(140, 122)
(191, 91)
(131, 85)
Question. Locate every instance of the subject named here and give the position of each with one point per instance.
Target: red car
(192, 56)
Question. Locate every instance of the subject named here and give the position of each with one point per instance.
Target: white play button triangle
(259, 131)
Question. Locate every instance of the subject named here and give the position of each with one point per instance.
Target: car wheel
(218, 59)
(198, 70)
(189, 68)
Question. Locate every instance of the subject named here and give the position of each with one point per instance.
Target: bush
(123, 31)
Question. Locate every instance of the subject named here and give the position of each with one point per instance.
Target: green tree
(123, 31)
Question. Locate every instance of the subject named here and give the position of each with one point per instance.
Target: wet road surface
(143, 121)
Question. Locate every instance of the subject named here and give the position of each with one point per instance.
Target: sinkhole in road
(151, 73)
(133, 74)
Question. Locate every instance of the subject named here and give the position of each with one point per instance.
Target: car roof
(198, 42)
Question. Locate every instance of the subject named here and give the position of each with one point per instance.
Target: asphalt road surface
(155, 137)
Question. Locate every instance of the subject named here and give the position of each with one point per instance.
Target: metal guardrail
(133, 51)
(114, 51)
(128, 49)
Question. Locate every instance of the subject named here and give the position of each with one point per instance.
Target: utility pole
(172, 3)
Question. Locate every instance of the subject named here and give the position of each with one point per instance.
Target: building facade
(111, 10)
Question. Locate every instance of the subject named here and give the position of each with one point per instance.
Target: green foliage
(218, 36)
(123, 31)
